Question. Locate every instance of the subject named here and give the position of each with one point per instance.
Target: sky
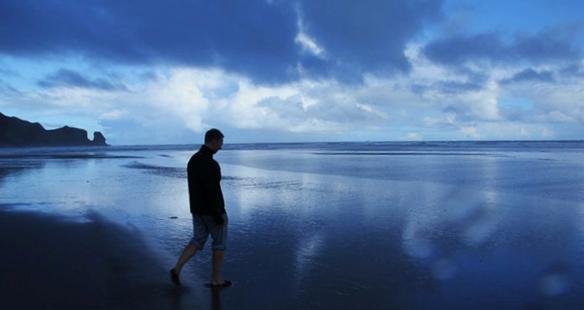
(164, 72)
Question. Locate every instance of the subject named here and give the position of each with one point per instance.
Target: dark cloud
(459, 49)
(70, 78)
(453, 87)
(554, 44)
(7, 89)
(148, 76)
(474, 82)
(367, 35)
(531, 75)
(449, 87)
(8, 73)
(573, 70)
(243, 36)
(253, 37)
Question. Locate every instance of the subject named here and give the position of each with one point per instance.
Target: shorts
(203, 226)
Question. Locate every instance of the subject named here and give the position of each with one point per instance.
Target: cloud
(307, 106)
(306, 42)
(70, 78)
(323, 113)
(169, 104)
(450, 87)
(6, 89)
(368, 36)
(309, 45)
(252, 37)
(471, 132)
(413, 136)
(573, 70)
(531, 75)
(547, 133)
(256, 38)
(556, 44)
(556, 101)
(8, 73)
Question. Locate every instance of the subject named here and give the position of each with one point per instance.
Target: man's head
(214, 139)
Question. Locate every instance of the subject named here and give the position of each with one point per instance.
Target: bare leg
(217, 262)
(187, 253)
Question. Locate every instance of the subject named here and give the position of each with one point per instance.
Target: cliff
(15, 132)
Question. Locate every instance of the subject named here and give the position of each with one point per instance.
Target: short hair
(213, 134)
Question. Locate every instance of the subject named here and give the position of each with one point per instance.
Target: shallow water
(426, 226)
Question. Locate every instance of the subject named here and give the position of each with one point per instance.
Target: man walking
(207, 208)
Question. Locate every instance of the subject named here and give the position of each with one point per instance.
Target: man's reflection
(216, 298)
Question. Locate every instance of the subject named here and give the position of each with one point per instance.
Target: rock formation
(15, 132)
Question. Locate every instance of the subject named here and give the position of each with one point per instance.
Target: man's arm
(214, 194)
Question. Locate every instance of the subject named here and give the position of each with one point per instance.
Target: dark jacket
(204, 177)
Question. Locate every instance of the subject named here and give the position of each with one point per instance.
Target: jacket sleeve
(193, 185)
(213, 190)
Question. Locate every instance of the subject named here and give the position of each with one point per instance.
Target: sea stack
(98, 138)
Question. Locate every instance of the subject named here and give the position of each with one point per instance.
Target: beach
(55, 263)
(312, 226)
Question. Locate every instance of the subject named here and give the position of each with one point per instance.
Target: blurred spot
(553, 285)
(306, 254)
(417, 238)
(443, 269)
(479, 230)
(418, 247)
(555, 280)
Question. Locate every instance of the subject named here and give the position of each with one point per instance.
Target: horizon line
(366, 141)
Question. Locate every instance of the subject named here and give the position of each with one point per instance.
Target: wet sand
(499, 230)
(50, 262)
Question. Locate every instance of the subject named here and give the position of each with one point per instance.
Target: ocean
(381, 225)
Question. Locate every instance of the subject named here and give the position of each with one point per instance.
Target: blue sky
(157, 72)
